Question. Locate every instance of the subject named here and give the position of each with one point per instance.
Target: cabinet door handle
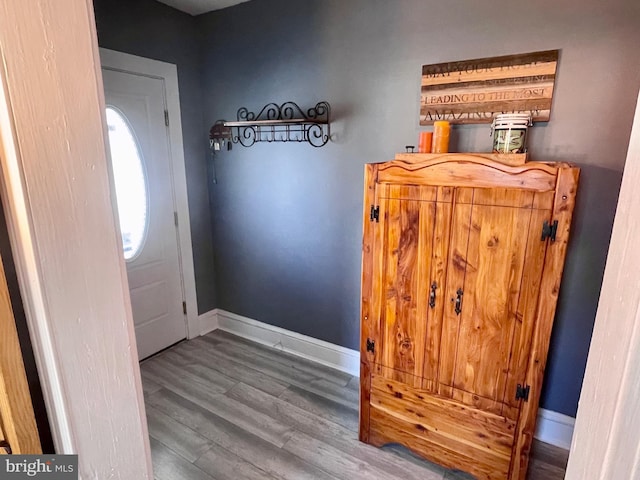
(458, 301)
(432, 295)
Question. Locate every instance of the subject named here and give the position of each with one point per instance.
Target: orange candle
(441, 131)
(424, 143)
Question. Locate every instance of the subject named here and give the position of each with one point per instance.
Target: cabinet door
(405, 259)
(493, 277)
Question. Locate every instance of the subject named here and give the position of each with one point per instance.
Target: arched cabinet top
(468, 170)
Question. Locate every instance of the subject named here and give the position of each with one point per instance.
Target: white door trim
(125, 62)
(607, 431)
(60, 205)
(17, 214)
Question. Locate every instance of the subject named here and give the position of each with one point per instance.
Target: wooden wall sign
(474, 91)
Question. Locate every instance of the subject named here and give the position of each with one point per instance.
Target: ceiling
(196, 7)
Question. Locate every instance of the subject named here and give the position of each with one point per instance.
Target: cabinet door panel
(486, 343)
(406, 248)
(456, 267)
(436, 285)
(495, 260)
(527, 304)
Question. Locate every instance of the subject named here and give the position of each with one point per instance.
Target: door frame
(60, 209)
(607, 432)
(168, 73)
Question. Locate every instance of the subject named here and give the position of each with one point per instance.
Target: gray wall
(287, 218)
(153, 30)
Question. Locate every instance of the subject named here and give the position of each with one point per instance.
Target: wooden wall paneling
(18, 421)
(564, 203)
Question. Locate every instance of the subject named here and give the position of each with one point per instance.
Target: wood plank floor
(223, 408)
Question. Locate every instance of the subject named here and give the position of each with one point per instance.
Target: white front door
(141, 162)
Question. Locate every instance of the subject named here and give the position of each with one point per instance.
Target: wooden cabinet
(18, 430)
(462, 262)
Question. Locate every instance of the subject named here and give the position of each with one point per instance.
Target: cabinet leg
(365, 397)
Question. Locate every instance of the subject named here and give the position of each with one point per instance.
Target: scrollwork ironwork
(282, 123)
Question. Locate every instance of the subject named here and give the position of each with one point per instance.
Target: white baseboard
(552, 427)
(208, 322)
(325, 353)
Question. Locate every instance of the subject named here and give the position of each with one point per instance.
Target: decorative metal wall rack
(275, 123)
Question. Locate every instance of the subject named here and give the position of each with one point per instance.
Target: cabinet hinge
(522, 392)
(175, 218)
(184, 307)
(549, 230)
(166, 117)
(375, 213)
(371, 346)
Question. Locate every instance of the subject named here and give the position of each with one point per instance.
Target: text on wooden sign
(474, 91)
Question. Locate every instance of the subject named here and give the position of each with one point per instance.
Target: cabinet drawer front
(440, 428)
(385, 429)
